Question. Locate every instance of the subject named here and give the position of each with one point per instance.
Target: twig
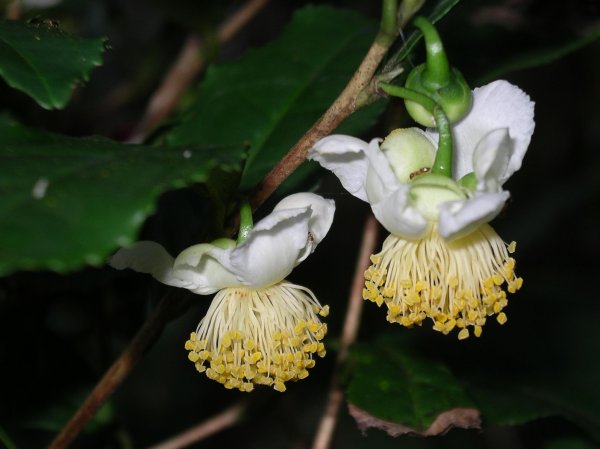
(342, 107)
(114, 375)
(223, 420)
(189, 63)
(13, 10)
(346, 103)
(349, 332)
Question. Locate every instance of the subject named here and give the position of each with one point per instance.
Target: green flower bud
(409, 153)
(430, 191)
(437, 80)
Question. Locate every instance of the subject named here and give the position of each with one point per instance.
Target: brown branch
(189, 63)
(223, 420)
(349, 332)
(13, 10)
(342, 107)
(114, 375)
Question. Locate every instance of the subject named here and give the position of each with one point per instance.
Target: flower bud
(409, 153)
(436, 79)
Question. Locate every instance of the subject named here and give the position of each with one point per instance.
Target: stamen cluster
(456, 284)
(265, 336)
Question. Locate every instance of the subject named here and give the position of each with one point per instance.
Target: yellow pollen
(463, 334)
(456, 284)
(268, 338)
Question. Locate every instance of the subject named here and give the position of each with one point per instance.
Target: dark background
(58, 333)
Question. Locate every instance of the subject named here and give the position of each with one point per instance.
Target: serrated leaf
(44, 62)
(69, 201)
(404, 393)
(272, 95)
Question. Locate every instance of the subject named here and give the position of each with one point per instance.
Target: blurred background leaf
(271, 96)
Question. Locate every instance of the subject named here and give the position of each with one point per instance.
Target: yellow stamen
(263, 336)
(456, 284)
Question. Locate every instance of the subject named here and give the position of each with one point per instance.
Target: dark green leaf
(393, 385)
(44, 62)
(53, 417)
(540, 57)
(5, 439)
(569, 443)
(542, 363)
(69, 201)
(271, 96)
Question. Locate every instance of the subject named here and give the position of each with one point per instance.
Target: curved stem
(246, 222)
(437, 69)
(410, 95)
(389, 22)
(443, 158)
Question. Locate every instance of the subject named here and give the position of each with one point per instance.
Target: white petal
(490, 160)
(345, 157)
(272, 249)
(381, 181)
(459, 218)
(148, 257)
(322, 213)
(204, 274)
(397, 215)
(495, 105)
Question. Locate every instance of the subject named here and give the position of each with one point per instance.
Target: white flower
(441, 260)
(259, 329)
(489, 142)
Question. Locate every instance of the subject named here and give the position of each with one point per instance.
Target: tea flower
(442, 260)
(259, 328)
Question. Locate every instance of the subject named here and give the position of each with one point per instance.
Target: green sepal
(224, 243)
(469, 182)
(445, 85)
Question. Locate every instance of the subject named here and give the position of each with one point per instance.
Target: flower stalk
(443, 159)
(437, 69)
(246, 222)
(389, 22)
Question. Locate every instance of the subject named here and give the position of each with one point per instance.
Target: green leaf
(6, 440)
(539, 57)
(406, 392)
(438, 11)
(272, 95)
(52, 417)
(570, 442)
(44, 62)
(510, 405)
(70, 201)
